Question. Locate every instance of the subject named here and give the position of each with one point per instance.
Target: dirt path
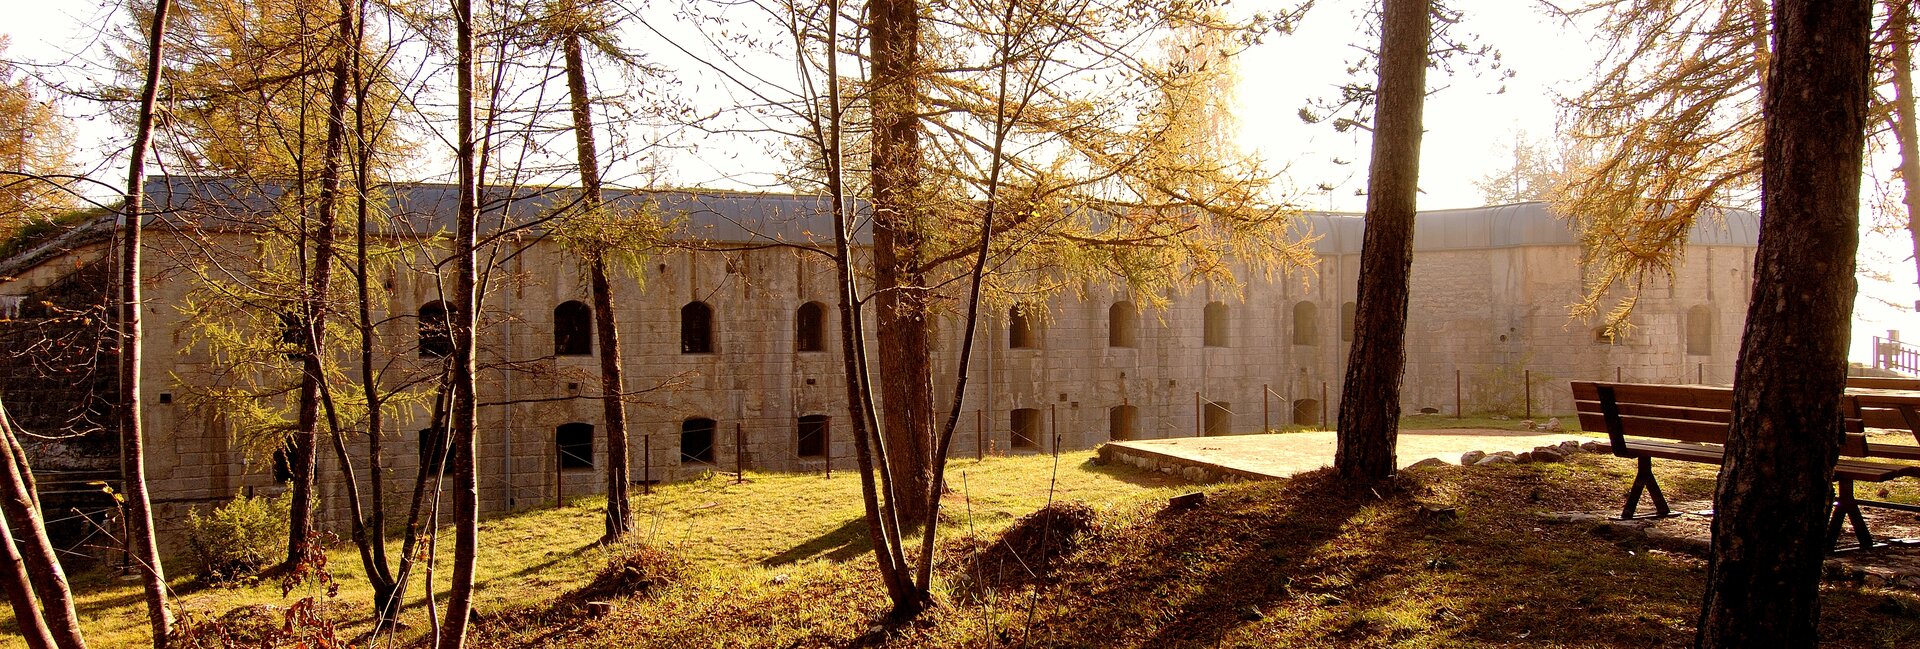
(1285, 454)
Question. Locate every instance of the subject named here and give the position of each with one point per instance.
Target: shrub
(236, 540)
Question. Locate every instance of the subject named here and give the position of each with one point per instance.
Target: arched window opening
(696, 441)
(1700, 331)
(1215, 331)
(1026, 428)
(1217, 418)
(293, 335)
(1123, 321)
(572, 329)
(1306, 324)
(1123, 422)
(1346, 321)
(1306, 412)
(573, 444)
(283, 464)
(809, 328)
(813, 436)
(433, 448)
(696, 328)
(436, 330)
(1021, 332)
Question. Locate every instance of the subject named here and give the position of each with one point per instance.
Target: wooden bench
(1874, 415)
(1690, 424)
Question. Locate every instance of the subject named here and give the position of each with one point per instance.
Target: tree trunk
(605, 326)
(466, 492)
(386, 590)
(26, 607)
(52, 616)
(313, 316)
(1773, 494)
(1370, 398)
(141, 543)
(1906, 134)
(906, 364)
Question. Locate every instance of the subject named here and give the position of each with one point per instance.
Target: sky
(1472, 118)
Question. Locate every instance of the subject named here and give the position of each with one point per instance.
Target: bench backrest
(1686, 413)
(1883, 382)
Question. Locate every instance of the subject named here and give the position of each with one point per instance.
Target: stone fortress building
(738, 351)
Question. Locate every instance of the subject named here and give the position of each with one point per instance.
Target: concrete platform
(1266, 457)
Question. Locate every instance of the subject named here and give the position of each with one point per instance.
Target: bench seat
(1690, 423)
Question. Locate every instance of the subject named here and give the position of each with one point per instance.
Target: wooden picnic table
(1889, 408)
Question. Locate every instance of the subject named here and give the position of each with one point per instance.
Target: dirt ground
(1286, 454)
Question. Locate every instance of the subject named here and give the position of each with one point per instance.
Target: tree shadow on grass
(843, 543)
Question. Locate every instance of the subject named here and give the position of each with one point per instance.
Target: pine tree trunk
(26, 607)
(1773, 495)
(50, 614)
(466, 492)
(606, 327)
(906, 364)
(141, 543)
(1906, 133)
(1370, 398)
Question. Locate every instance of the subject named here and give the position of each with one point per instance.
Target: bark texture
(141, 544)
(606, 328)
(1369, 423)
(906, 363)
(466, 492)
(1773, 495)
(35, 583)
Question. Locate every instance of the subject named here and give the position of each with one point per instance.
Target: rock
(1194, 474)
(1440, 563)
(599, 609)
(1252, 613)
(1428, 463)
(1548, 455)
(1502, 453)
(1470, 457)
(1553, 425)
(1187, 501)
(1596, 447)
(1429, 411)
(1569, 447)
(1528, 424)
(1494, 459)
(1501, 418)
(1436, 514)
(1524, 458)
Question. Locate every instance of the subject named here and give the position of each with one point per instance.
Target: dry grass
(781, 561)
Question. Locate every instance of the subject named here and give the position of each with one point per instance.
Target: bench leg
(1847, 509)
(1644, 480)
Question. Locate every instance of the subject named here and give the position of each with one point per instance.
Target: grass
(780, 560)
(772, 523)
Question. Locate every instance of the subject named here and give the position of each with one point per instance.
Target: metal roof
(742, 217)
(1506, 226)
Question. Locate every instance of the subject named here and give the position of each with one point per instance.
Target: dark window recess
(813, 436)
(433, 448)
(1347, 312)
(293, 336)
(283, 464)
(436, 332)
(1699, 331)
(1020, 330)
(696, 328)
(1026, 428)
(1122, 421)
(1306, 412)
(1306, 324)
(1215, 331)
(572, 329)
(574, 445)
(809, 328)
(696, 441)
(1123, 321)
(1218, 419)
